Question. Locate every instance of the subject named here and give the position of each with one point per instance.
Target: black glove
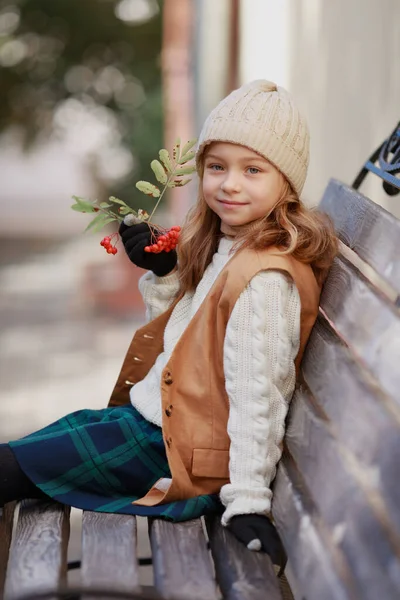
(248, 528)
(135, 238)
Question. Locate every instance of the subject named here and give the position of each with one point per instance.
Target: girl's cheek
(206, 191)
(206, 184)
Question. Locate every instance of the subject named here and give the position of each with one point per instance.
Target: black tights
(14, 484)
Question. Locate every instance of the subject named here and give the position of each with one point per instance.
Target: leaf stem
(116, 217)
(172, 175)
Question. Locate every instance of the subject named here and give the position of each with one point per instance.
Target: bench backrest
(337, 490)
(337, 494)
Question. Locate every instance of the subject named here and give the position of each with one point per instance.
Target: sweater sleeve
(158, 293)
(261, 343)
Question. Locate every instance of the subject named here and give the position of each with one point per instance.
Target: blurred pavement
(58, 352)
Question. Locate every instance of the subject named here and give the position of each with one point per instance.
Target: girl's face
(239, 185)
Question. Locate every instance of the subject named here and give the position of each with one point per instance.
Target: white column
(212, 55)
(264, 41)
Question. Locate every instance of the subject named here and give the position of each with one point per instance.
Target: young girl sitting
(197, 417)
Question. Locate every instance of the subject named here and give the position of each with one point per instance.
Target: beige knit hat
(263, 117)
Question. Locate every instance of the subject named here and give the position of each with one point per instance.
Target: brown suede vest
(194, 400)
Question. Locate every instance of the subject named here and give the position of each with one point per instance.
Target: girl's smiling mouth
(231, 203)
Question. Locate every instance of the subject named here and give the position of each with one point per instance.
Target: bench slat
(181, 562)
(241, 574)
(367, 228)
(109, 558)
(347, 503)
(38, 552)
(361, 414)
(367, 322)
(317, 565)
(6, 525)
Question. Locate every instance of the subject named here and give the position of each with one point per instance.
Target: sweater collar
(225, 245)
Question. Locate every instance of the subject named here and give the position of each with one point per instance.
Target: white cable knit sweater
(261, 343)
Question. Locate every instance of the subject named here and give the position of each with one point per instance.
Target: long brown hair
(306, 233)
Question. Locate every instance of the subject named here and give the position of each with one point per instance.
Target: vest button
(168, 410)
(168, 378)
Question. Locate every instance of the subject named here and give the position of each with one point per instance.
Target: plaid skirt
(103, 460)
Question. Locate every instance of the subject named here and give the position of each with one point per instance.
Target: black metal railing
(385, 163)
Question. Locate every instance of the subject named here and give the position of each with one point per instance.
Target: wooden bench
(336, 493)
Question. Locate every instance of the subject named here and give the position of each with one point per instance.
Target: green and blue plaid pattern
(103, 460)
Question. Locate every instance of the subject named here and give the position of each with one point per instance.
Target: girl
(196, 420)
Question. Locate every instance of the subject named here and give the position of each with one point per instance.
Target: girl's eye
(215, 167)
(253, 170)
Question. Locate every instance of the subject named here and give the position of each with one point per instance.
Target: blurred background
(90, 90)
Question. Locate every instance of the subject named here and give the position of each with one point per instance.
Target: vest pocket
(211, 463)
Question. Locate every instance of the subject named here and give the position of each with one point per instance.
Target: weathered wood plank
(181, 562)
(241, 574)
(368, 323)
(347, 503)
(6, 525)
(364, 419)
(38, 552)
(380, 284)
(317, 565)
(372, 232)
(109, 557)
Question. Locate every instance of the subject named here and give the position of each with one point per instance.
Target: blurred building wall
(177, 82)
(339, 59)
(344, 71)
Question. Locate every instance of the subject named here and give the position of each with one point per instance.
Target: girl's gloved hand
(135, 238)
(258, 533)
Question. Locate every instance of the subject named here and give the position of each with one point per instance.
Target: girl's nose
(230, 183)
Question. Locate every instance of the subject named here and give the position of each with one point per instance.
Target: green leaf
(78, 208)
(103, 223)
(148, 188)
(159, 171)
(176, 149)
(188, 146)
(188, 170)
(165, 159)
(124, 210)
(178, 182)
(110, 220)
(96, 221)
(84, 205)
(117, 201)
(105, 205)
(186, 157)
(143, 215)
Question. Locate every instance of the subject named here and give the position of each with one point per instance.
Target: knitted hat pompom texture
(263, 117)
